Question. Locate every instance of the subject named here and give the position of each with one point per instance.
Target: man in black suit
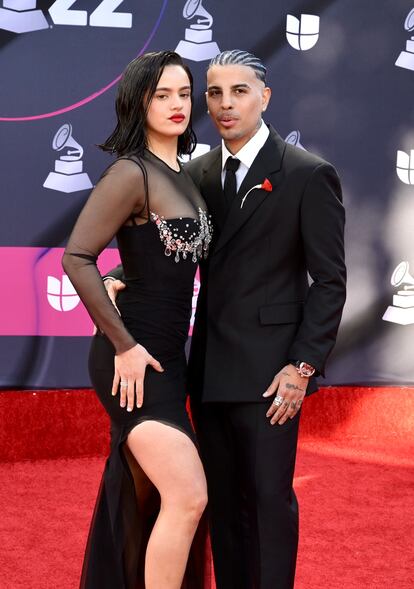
(261, 331)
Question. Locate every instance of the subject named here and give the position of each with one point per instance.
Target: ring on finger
(123, 383)
(277, 401)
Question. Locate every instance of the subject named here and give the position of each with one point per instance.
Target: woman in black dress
(145, 530)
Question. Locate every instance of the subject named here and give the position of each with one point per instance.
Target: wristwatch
(304, 369)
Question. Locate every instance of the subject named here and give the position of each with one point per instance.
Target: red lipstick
(178, 118)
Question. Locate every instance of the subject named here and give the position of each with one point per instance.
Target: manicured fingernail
(129, 408)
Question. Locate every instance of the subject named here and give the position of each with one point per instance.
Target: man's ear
(267, 93)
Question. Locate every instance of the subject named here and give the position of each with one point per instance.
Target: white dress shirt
(246, 155)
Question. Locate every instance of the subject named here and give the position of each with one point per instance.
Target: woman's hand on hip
(129, 375)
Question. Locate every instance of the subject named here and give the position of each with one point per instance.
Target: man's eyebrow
(164, 89)
(241, 85)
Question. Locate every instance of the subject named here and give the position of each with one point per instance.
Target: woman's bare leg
(171, 461)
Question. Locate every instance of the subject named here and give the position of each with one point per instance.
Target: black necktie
(230, 184)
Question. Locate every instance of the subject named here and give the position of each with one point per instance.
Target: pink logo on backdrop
(42, 300)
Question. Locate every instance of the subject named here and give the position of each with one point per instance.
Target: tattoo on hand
(294, 387)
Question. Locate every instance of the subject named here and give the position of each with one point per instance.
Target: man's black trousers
(253, 509)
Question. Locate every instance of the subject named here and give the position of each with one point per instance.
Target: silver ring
(123, 383)
(277, 401)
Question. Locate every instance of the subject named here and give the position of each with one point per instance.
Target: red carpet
(354, 481)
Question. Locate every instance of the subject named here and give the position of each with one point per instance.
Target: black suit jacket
(256, 310)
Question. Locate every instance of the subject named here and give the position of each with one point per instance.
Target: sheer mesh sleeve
(117, 194)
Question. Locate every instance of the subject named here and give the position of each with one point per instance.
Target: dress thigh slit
(128, 503)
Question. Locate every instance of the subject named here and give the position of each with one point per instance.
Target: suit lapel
(267, 164)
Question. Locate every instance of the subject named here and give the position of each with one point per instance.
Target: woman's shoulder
(124, 176)
(129, 167)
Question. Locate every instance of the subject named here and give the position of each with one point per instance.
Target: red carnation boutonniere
(266, 185)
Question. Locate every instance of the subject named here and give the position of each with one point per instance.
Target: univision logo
(302, 34)
(405, 166)
(61, 294)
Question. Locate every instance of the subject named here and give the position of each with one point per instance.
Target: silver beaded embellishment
(196, 242)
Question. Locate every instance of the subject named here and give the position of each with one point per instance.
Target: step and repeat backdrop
(342, 74)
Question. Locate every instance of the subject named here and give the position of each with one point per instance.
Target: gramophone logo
(21, 16)
(68, 175)
(294, 139)
(61, 294)
(406, 58)
(405, 166)
(302, 34)
(402, 309)
(198, 44)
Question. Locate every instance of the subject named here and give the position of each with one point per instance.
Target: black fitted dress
(162, 230)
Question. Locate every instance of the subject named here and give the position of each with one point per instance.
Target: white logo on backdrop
(68, 175)
(294, 139)
(302, 34)
(198, 44)
(103, 15)
(406, 58)
(201, 149)
(402, 309)
(61, 294)
(21, 16)
(405, 166)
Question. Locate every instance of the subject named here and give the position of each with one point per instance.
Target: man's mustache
(227, 116)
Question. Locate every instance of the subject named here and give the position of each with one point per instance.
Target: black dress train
(162, 230)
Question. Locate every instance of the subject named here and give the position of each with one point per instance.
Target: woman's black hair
(135, 92)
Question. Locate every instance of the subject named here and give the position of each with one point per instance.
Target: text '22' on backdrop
(342, 74)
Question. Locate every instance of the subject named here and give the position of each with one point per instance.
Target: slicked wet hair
(239, 57)
(135, 92)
